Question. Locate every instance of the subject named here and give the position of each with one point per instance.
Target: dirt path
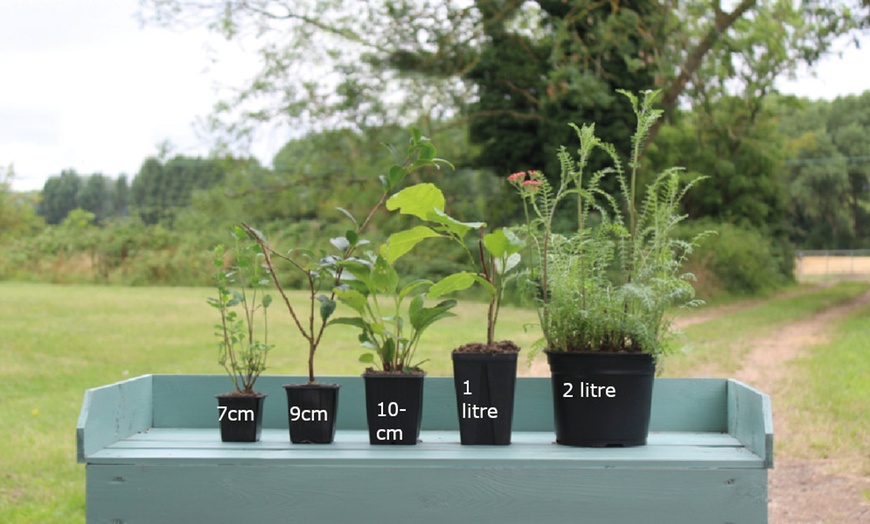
(802, 491)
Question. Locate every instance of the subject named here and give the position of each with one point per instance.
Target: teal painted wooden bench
(153, 454)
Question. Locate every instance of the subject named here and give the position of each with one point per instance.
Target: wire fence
(834, 262)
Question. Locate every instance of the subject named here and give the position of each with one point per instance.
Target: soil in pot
(601, 399)
(312, 410)
(394, 407)
(240, 416)
(485, 381)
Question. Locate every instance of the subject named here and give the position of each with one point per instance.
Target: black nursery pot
(311, 411)
(601, 399)
(485, 385)
(240, 417)
(394, 407)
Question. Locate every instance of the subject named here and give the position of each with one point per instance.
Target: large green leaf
(456, 227)
(419, 200)
(400, 243)
(425, 317)
(502, 243)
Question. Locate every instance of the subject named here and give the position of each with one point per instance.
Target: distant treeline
(788, 174)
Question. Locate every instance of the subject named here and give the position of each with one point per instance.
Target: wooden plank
(684, 404)
(750, 419)
(691, 450)
(502, 495)
(111, 413)
(278, 437)
(678, 404)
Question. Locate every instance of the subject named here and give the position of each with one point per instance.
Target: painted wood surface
(438, 448)
(154, 454)
(114, 412)
(389, 493)
(678, 404)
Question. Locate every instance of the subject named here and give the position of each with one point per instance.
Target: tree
(829, 171)
(18, 216)
(358, 64)
(59, 196)
(161, 188)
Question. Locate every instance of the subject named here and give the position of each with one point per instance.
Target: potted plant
(602, 290)
(391, 315)
(484, 374)
(243, 305)
(313, 406)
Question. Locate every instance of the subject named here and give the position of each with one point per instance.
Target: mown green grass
(58, 341)
(831, 397)
(721, 343)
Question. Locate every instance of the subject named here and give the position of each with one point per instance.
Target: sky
(84, 86)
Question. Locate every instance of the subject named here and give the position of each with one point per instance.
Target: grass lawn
(58, 341)
(721, 342)
(831, 398)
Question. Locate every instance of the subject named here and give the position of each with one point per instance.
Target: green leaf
(451, 284)
(348, 321)
(419, 200)
(340, 243)
(502, 243)
(352, 237)
(512, 262)
(384, 277)
(426, 153)
(367, 358)
(267, 301)
(396, 175)
(412, 286)
(327, 307)
(352, 298)
(388, 350)
(416, 304)
(348, 215)
(400, 243)
(361, 271)
(425, 317)
(455, 227)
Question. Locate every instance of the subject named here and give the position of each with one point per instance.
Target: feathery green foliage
(606, 286)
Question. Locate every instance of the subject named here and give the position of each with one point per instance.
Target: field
(58, 341)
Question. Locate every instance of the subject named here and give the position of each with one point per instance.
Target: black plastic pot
(485, 384)
(240, 417)
(311, 411)
(394, 407)
(601, 399)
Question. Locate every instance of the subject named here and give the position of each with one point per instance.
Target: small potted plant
(484, 374)
(602, 290)
(243, 305)
(312, 407)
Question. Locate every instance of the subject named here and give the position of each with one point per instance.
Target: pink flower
(532, 185)
(516, 177)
